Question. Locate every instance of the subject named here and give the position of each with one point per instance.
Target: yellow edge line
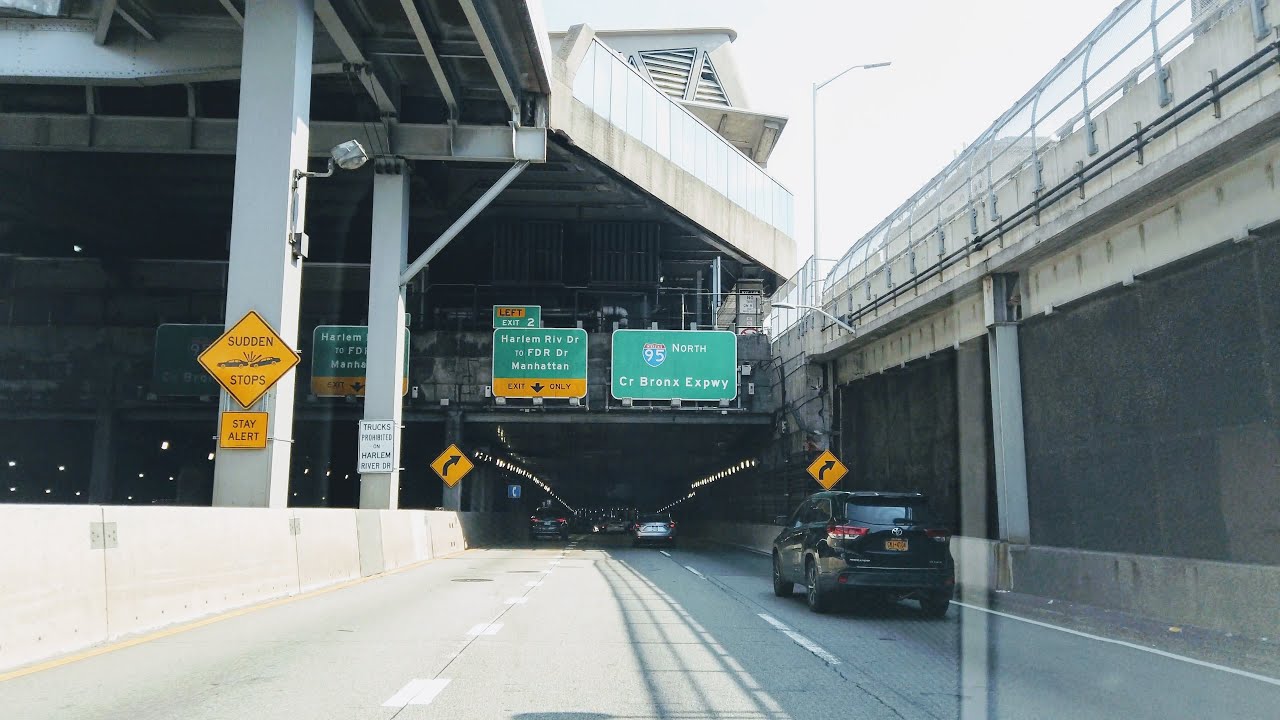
(104, 649)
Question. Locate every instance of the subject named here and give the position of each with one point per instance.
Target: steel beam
(233, 11)
(105, 14)
(491, 56)
(429, 52)
(462, 222)
(213, 136)
(351, 50)
(66, 52)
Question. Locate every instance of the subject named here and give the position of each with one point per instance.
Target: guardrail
(615, 91)
(1021, 156)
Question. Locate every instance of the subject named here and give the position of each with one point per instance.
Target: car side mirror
(780, 520)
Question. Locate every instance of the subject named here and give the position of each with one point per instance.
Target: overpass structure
(1072, 326)
(1066, 339)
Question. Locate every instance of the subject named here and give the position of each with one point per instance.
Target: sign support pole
(453, 436)
(263, 273)
(384, 369)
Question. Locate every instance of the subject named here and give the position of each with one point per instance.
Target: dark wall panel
(1150, 413)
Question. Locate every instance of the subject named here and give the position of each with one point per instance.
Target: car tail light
(671, 525)
(561, 520)
(938, 535)
(846, 532)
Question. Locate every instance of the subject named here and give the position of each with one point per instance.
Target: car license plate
(899, 545)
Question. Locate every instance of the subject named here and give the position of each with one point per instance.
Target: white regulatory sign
(377, 446)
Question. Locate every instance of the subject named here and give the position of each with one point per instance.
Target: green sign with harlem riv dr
(550, 363)
(674, 365)
(176, 372)
(338, 357)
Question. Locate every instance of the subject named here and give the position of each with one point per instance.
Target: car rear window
(885, 513)
(653, 518)
(546, 514)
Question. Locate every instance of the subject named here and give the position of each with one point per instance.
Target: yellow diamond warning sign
(248, 359)
(827, 470)
(452, 465)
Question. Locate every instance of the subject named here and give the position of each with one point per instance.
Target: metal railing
(1132, 45)
(615, 91)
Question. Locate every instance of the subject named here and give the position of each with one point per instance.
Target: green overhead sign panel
(517, 316)
(674, 365)
(548, 363)
(176, 371)
(338, 357)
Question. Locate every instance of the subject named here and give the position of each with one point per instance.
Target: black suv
(885, 542)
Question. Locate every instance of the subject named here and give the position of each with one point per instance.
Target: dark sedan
(548, 523)
(884, 543)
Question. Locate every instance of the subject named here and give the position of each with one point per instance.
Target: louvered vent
(709, 89)
(670, 69)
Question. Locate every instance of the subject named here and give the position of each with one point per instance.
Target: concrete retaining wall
(1233, 597)
(77, 575)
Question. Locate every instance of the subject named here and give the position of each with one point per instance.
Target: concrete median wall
(76, 576)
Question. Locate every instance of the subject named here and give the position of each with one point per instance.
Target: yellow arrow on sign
(452, 465)
(248, 359)
(827, 470)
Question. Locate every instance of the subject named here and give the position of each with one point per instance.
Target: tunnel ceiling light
(77, 248)
(129, 498)
(170, 477)
(62, 468)
(13, 463)
(142, 474)
(47, 491)
(306, 470)
(13, 489)
(210, 456)
(77, 493)
(164, 444)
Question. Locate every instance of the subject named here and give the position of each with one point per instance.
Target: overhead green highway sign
(547, 363)
(517, 316)
(674, 365)
(338, 357)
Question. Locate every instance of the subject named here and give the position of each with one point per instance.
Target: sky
(957, 65)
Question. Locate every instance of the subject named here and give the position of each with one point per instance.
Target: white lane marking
(516, 600)
(416, 692)
(553, 562)
(1122, 643)
(801, 640)
(664, 552)
(533, 583)
(695, 572)
(485, 629)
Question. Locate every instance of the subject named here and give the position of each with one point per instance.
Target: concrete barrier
(493, 528)
(445, 532)
(369, 541)
(327, 546)
(175, 564)
(75, 576)
(52, 581)
(1234, 597)
(404, 538)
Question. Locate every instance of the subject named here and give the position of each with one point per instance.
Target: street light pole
(840, 323)
(814, 117)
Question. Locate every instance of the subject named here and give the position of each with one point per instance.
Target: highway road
(594, 629)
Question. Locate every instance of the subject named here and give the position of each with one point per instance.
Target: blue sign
(513, 492)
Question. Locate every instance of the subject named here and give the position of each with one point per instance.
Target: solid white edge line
(516, 600)
(1122, 643)
(773, 621)
(695, 572)
(664, 552)
(485, 629)
(533, 583)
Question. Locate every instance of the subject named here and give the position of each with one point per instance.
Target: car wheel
(935, 605)
(781, 588)
(814, 596)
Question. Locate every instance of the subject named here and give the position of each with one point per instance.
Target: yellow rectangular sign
(248, 359)
(544, 388)
(242, 430)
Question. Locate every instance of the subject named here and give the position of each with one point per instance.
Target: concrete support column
(104, 456)
(384, 362)
(1003, 301)
(973, 428)
(263, 274)
(453, 435)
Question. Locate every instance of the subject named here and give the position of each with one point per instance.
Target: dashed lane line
(800, 640)
(416, 692)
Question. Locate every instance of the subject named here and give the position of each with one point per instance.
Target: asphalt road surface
(594, 629)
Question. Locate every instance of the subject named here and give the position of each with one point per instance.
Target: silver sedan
(655, 528)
